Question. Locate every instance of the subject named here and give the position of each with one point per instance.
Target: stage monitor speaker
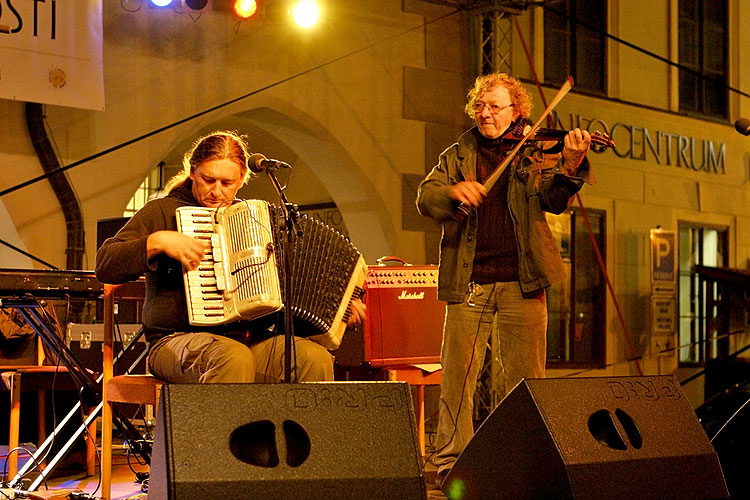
(732, 442)
(106, 228)
(588, 439)
(337, 440)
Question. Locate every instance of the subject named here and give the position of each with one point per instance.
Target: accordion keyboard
(237, 279)
(204, 292)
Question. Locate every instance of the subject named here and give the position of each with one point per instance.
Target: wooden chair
(40, 379)
(139, 389)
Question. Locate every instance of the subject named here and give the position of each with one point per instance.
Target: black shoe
(440, 478)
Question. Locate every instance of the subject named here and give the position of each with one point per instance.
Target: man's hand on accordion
(358, 312)
(186, 249)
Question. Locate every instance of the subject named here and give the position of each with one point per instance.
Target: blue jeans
(521, 326)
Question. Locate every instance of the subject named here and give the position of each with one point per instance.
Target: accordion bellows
(239, 279)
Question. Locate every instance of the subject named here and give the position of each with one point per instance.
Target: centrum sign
(664, 148)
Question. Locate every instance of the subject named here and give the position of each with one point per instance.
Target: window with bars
(577, 306)
(150, 186)
(703, 55)
(575, 45)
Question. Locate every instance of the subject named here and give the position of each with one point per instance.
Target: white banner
(53, 52)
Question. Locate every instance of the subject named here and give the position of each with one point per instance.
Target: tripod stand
(90, 391)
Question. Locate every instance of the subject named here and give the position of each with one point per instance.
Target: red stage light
(245, 8)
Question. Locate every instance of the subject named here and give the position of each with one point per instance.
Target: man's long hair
(218, 145)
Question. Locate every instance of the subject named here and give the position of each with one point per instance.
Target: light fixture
(306, 13)
(159, 3)
(196, 4)
(245, 9)
(242, 9)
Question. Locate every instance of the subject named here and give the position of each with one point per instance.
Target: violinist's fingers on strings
(579, 135)
(577, 139)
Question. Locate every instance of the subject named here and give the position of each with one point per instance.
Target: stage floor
(125, 486)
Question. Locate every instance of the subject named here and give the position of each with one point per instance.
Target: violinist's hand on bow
(467, 192)
(577, 143)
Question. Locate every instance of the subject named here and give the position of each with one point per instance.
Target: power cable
(217, 107)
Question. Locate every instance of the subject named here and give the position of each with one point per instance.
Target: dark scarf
(496, 257)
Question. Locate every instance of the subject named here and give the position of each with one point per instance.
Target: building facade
(362, 105)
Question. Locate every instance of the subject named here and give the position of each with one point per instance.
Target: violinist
(497, 261)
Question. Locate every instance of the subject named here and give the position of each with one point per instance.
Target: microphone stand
(292, 229)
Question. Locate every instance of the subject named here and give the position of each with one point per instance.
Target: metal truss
(492, 31)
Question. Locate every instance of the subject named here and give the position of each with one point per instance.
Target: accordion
(238, 278)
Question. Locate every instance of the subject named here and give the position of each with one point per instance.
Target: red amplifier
(404, 322)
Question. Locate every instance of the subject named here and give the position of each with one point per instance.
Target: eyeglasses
(494, 108)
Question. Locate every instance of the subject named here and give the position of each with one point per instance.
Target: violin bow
(462, 209)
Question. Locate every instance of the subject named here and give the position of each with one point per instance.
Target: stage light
(245, 9)
(196, 4)
(242, 9)
(306, 13)
(160, 3)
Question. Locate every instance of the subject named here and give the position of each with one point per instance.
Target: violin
(599, 140)
(523, 133)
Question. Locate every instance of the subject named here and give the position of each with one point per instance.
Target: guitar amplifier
(404, 323)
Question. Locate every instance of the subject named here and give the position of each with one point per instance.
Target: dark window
(703, 52)
(705, 246)
(573, 48)
(577, 306)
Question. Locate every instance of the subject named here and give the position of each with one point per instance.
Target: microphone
(259, 163)
(742, 125)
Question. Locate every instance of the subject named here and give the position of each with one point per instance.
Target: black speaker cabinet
(106, 228)
(732, 441)
(590, 438)
(308, 441)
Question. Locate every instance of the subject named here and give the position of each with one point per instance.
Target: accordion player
(238, 278)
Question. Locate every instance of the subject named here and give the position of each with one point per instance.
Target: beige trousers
(521, 325)
(198, 357)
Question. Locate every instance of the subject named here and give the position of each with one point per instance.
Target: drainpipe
(60, 185)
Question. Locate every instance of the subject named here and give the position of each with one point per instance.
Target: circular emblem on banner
(58, 78)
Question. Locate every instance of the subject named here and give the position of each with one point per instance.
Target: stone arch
(322, 171)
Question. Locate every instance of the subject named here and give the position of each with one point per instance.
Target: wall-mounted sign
(664, 315)
(663, 256)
